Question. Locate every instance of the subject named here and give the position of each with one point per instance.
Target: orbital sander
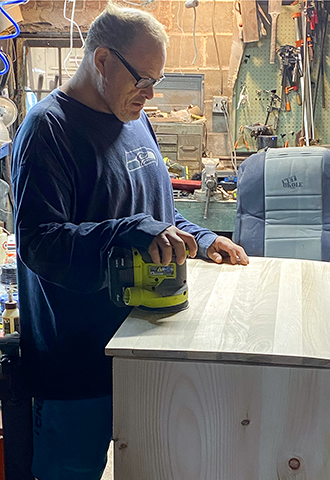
(134, 280)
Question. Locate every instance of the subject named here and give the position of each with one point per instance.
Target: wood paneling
(178, 420)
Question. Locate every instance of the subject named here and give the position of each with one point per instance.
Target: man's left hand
(223, 247)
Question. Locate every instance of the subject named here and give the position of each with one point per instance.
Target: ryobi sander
(135, 281)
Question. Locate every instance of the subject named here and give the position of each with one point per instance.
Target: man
(88, 175)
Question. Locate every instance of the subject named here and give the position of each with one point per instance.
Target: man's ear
(101, 57)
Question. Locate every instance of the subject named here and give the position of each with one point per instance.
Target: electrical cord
(3, 56)
(72, 24)
(194, 36)
(183, 35)
(217, 49)
(193, 4)
(233, 156)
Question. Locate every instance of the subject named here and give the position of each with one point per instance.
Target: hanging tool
(290, 73)
(294, 88)
(243, 98)
(262, 16)
(258, 129)
(274, 10)
(323, 22)
(272, 107)
(306, 112)
(241, 141)
(134, 280)
(307, 104)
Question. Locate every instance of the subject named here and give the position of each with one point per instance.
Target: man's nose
(148, 92)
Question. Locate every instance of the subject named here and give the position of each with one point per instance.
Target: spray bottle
(10, 315)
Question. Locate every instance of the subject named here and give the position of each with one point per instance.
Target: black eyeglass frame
(141, 82)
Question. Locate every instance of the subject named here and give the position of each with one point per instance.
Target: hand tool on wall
(272, 107)
(263, 135)
(243, 98)
(307, 102)
(301, 46)
(323, 23)
(262, 13)
(241, 141)
(290, 73)
(274, 10)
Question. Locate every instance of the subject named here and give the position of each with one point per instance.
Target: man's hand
(162, 246)
(224, 247)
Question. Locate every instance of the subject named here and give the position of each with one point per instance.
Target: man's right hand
(162, 246)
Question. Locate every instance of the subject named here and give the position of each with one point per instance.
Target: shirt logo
(291, 182)
(139, 158)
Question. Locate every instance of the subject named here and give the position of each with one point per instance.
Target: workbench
(221, 215)
(237, 386)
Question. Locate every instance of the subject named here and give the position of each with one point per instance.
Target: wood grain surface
(273, 311)
(183, 420)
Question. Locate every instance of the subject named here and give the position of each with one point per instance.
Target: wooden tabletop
(273, 311)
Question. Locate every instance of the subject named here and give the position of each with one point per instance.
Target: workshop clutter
(280, 94)
(188, 115)
(211, 185)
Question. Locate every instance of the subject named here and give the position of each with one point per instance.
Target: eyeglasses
(141, 82)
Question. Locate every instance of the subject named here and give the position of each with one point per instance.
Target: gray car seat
(283, 203)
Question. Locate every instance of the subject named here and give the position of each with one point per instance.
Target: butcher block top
(270, 312)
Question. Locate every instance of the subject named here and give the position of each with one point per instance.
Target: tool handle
(273, 38)
(207, 203)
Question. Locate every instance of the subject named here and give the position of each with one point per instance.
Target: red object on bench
(186, 185)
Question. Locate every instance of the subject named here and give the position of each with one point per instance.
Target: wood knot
(294, 463)
(245, 422)
(122, 446)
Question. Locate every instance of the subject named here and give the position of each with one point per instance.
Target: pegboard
(258, 75)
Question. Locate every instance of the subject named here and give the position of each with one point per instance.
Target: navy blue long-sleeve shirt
(83, 182)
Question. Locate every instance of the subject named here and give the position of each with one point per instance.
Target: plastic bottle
(10, 315)
(11, 248)
(3, 246)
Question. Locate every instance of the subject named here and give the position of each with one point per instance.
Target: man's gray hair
(118, 28)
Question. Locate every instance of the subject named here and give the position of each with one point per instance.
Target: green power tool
(134, 280)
